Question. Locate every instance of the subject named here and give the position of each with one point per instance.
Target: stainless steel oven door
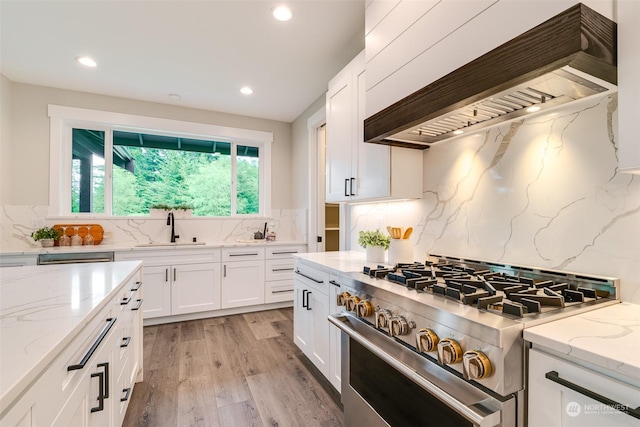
(384, 383)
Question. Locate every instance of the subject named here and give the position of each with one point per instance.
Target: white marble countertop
(344, 261)
(42, 308)
(608, 337)
(133, 247)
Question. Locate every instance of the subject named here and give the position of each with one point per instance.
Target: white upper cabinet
(629, 85)
(357, 171)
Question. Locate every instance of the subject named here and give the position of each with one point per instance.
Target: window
(106, 169)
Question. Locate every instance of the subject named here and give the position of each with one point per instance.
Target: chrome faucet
(171, 221)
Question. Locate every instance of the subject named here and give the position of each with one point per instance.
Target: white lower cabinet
(179, 281)
(85, 384)
(559, 395)
(279, 273)
(310, 312)
(242, 277)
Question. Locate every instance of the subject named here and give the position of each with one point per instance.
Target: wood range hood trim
(578, 40)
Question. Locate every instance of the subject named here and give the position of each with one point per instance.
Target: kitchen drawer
(154, 257)
(279, 269)
(552, 404)
(243, 253)
(278, 291)
(280, 252)
(312, 277)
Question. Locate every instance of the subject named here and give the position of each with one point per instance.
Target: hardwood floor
(241, 370)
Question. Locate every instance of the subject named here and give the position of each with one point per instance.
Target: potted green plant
(46, 236)
(375, 243)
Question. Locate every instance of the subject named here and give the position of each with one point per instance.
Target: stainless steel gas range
(440, 343)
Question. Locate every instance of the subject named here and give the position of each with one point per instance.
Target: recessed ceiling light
(458, 132)
(282, 13)
(533, 109)
(86, 61)
(175, 96)
(246, 90)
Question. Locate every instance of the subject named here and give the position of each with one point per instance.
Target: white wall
(544, 191)
(300, 155)
(27, 165)
(5, 137)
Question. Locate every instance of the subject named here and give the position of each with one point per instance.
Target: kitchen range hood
(571, 56)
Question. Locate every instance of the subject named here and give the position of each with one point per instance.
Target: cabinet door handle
(310, 278)
(308, 306)
(351, 187)
(174, 274)
(125, 342)
(304, 294)
(105, 365)
(334, 283)
(166, 274)
(100, 406)
(282, 269)
(245, 254)
(127, 392)
(224, 267)
(346, 190)
(137, 307)
(94, 346)
(138, 285)
(553, 376)
(125, 301)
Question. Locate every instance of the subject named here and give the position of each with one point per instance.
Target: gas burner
(513, 293)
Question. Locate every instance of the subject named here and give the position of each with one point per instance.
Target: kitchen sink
(168, 244)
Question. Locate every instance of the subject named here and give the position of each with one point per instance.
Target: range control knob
(449, 352)
(352, 302)
(343, 297)
(476, 365)
(426, 340)
(364, 309)
(382, 318)
(400, 326)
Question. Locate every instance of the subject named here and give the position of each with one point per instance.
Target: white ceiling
(202, 50)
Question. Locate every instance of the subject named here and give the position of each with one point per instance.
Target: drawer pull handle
(125, 342)
(285, 252)
(127, 393)
(282, 292)
(245, 254)
(100, 406)
(125, 301)
(282, 269)
(137, 286)
(553, 376)
(94, 346)
(137, 307)
(310, 278)
(334, 283)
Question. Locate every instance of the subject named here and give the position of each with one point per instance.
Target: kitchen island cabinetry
(179, 281)
(242, 277)
(76, 359)
(310, 312)
(356, 171)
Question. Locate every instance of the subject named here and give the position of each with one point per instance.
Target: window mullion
(234, 148)
(108, 172)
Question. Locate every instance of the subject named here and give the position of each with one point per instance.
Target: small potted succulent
(46, 236)
(375, 243)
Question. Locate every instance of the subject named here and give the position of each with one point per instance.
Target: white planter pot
(47, 243)
(375, 254)
(400, 251)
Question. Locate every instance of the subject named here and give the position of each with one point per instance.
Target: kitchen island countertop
(42, 308)
(608, 338)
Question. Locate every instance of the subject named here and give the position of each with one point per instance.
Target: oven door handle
(490, 419)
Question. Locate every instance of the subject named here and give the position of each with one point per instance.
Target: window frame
(63, 119)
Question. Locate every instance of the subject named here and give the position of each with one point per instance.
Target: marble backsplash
(17, 223)
(543, 191)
